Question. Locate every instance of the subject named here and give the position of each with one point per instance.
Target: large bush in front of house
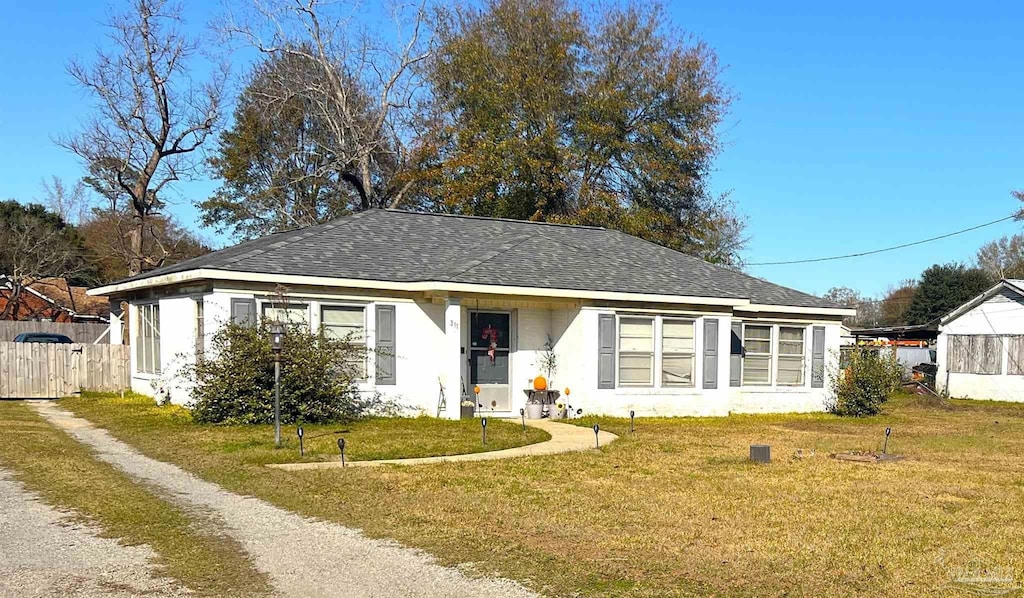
(234, 383)
(867, 380)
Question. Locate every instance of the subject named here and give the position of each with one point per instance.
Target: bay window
(677, 352)
(636, 351)
(147, 339)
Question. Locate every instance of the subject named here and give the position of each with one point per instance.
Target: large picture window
(677, 352)
(347, 323)
(757, 355)
(636, 351)
(147, 339)
(791, 356)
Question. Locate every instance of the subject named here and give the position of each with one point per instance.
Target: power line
(863, 253)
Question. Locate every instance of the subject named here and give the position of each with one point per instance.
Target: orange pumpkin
(540, 383)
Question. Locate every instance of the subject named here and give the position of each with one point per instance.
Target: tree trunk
(364, 175)
(135, 244)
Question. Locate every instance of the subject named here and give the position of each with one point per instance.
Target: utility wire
(863, 253)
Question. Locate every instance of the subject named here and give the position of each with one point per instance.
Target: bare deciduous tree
(151, 116)
(70, 203)
(363, 87)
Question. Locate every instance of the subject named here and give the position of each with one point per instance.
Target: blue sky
(856, 125)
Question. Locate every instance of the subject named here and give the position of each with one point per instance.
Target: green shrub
(865, 383)
(234, 384)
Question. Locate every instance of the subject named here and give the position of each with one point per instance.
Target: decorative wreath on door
(490, 334)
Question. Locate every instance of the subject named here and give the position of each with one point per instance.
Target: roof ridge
(494, 219)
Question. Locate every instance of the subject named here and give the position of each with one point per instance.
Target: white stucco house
(458, 302)
(980, 348)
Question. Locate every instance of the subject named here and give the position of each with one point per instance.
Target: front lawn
(676, 508)
(370, 439)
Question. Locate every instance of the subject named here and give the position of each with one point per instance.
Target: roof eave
(966, 307)
(428, 285)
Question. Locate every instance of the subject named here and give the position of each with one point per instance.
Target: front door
(490, 343)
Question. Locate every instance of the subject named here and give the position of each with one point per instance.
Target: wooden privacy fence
(47, 370)
(79, 332)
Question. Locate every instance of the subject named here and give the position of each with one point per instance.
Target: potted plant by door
(557, 410)
(534, 405)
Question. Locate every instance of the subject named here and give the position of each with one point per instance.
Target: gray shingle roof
(397, 246)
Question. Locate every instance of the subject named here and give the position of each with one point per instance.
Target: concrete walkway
(303, 556)
(565, 438)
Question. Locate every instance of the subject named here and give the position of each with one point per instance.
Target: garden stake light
(302, 450)
(885, 446)
(277, 332)
(341, 447)
(597, 436)
(631, 415)
(483, 426)
(522, 414)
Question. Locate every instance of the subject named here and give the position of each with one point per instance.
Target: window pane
(756, 370)
(343, 322)
(635, 369)
(677, 336)
(677, 370)
(791, 334)
(791, 370)
(758, 347)
(636, 334)
(293, 314)
(757, 332)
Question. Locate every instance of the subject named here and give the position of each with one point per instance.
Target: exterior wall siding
(572, 328)
(1001, 315)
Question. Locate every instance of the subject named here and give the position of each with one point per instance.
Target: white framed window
(147, 339)
(348, 323)
(292, 313)
(790, 370)
(636, 351)
(677, 352)
(757, 355)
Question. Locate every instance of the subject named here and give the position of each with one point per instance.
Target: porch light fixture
(277, 332)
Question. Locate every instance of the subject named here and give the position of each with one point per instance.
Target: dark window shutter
(606, 351)
(818, 357)
(736, 354)
(385, 344)
(243, 311)
(710, 352)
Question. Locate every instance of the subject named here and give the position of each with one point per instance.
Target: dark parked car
(42, 337)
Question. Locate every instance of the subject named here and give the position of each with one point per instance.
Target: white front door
(490, 346)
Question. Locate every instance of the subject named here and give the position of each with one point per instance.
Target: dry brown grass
(677, 509)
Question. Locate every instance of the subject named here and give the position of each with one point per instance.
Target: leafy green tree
(38, 244)
(540, 112)
(276, 163)
(1003, 258)
(943, 288)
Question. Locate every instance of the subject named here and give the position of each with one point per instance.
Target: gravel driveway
(302, 556)
(45, 553)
